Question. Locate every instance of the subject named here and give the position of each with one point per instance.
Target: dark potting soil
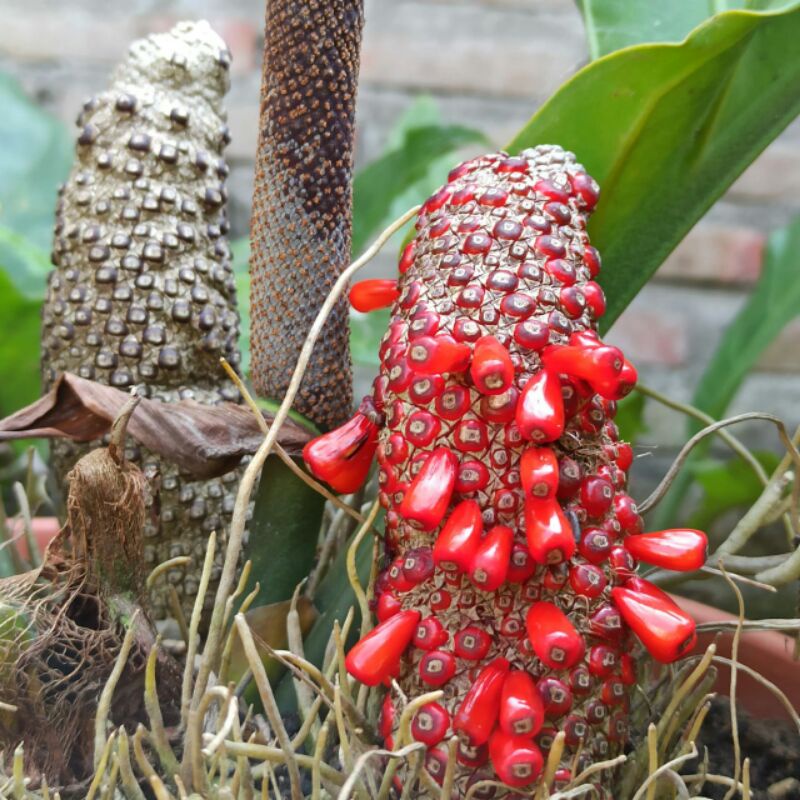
(773, 747)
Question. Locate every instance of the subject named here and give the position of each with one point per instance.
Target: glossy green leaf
(614, 24)
(20, 321)
(35, 157)
(284, 532)
(334, 599)
(405, 176)
(774, 302)
(727, 485)
(666, 129)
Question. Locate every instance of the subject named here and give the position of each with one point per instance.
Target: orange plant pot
(770, 653)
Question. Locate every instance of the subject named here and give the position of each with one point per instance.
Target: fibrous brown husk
(63, 624)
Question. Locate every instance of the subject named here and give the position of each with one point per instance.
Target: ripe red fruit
(480, 707)
(458, 540)
(521, 709)
(666, 631)
(540, 410)
(372, 294)
(436, 667)
(490, 563)
(548, 531)
(472, 643)
(430, 634)
(594, 365)
(516, 759)
(435, 355)
(342, 457)
(680, 549)
(388, 605)
(429, 495)
(430, 724)
(553, 637)
(539, 471)
(491, 368)
(376, 656)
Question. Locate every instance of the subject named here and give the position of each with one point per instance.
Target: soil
(773, 747)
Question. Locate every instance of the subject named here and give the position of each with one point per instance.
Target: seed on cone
(479, 710)
(490, 563)
(342, 457)
(375, 657)
(540, 409)
(430, 724)
(516, 759)
(373, 294)
(548, 531)
(679, 549)
(427, 498)
(666, 631)
(435, 355)
(553, 637)
(521, 709)
(539, 472)
(458, 540)
(491, 368)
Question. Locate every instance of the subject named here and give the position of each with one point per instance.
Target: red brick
(783, 355)
(530, 69)
(714, 253)
(648, 336)
(774, 177)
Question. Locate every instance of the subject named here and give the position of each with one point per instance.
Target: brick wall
(489, 64)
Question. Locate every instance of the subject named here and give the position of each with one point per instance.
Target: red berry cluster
(511, 545)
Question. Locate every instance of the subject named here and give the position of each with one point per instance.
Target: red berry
(597, 494)
(548, 531)
(491, 368)
(587, 580)
(480, 708)
(472, 643)
(430, 634)
(554, 638)
(436, 667)
(539, 471)
(343, 457)
(666, 631)
(555, 695)
(388, 606)
(532, 334)
(521, 709)
(372, 294)
(682, 550)
(407, 259)
(516, 759)
(429, 495)
(490, 562)
(458, 540)
(435, 355)
(430, 724)
(521, 564)
(540, 410)
(376, 656)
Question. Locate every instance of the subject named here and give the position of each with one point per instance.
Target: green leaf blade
(672, 126)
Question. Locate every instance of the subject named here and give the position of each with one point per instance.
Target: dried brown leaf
(203, 440)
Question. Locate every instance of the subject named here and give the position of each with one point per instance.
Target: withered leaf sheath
(301, 201)
(507, 576)
(142, 293)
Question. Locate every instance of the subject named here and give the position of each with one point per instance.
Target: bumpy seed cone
(142, 293)
(302, 197)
